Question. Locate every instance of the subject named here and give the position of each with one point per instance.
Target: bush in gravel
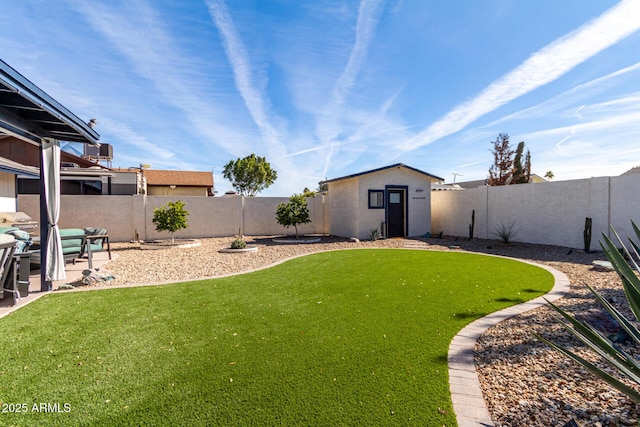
(294, 212)
(613, 355)
(374, 234)
(506, 232)
(171, 217)
(238, 244)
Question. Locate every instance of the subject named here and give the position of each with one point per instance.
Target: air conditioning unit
(106, 151)
(91, 151)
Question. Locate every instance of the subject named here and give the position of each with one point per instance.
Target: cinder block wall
(124, 216)
(548, 213)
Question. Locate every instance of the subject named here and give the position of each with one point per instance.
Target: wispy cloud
(139, 35)
(542, 67)
(257, 104)
(328, 127)
(253, 93)
(570, 97)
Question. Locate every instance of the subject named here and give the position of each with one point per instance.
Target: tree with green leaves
(171, 217)
(506, 169)
(501, 171)
(249, 175)
(549, 175)
(521, 170)
(294, 212)
(323, 187)
(308, 193)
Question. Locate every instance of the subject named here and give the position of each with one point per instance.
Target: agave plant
(611, 353)
(506, 232)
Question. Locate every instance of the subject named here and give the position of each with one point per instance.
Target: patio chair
(73, 242)
(8, 268)
(97, 240)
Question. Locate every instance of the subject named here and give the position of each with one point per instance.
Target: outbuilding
(396, 200)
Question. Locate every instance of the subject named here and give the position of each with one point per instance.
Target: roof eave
(381, 169)
(20, 85)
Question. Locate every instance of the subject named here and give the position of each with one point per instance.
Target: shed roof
(27, 112)
(179, 178)
(396, 165)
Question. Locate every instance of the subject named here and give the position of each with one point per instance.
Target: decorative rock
(238, 251)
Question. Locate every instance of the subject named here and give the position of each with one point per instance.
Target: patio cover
(28, 113)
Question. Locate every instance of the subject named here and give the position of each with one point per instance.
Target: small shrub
(238, 244)
(293, 213)
(374, 234)
(171, 217)
(506, 232)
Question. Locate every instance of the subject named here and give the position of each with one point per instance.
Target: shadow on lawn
(530, 251)
(268, 241)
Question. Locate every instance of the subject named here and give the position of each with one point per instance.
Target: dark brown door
(395, 213)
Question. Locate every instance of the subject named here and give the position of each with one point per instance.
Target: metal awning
(28, 113)
(15, 168)
(72, 174)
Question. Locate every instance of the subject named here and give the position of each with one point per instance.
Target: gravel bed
(524, 382)
(135, 266)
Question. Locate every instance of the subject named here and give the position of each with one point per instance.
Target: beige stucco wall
(123, 216)
(115, 213)
(344, 208)
(548, 213)
(349, 213)
(7, 192)
(260, 216)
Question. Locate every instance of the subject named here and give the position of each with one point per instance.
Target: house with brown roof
(178, 183)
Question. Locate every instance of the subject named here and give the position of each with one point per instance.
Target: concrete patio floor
(73, 271)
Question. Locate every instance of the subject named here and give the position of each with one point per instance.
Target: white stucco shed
(394, 199)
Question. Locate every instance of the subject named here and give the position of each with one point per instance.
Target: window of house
(376, 199)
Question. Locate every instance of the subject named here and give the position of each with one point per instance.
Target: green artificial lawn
(357, 337)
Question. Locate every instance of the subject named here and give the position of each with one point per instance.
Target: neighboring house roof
(472, 184)
(10, 166)
(482, 182)
(179, 178)
(438, 186)
(28, 154)
(633, 171)
(397, 165)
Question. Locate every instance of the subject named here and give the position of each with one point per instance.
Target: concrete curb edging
(464, 385)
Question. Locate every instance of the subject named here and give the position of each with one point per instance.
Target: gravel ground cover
(524, 382)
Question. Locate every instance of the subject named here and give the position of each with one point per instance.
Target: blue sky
(324, 89)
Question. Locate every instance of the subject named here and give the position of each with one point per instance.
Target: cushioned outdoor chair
(8, 268)
(97, 240)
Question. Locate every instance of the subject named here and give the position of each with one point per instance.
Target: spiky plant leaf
(613, 381)
(634, 245)
(601, 345)
(629, 327)
(614, 356)
(630, 281)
